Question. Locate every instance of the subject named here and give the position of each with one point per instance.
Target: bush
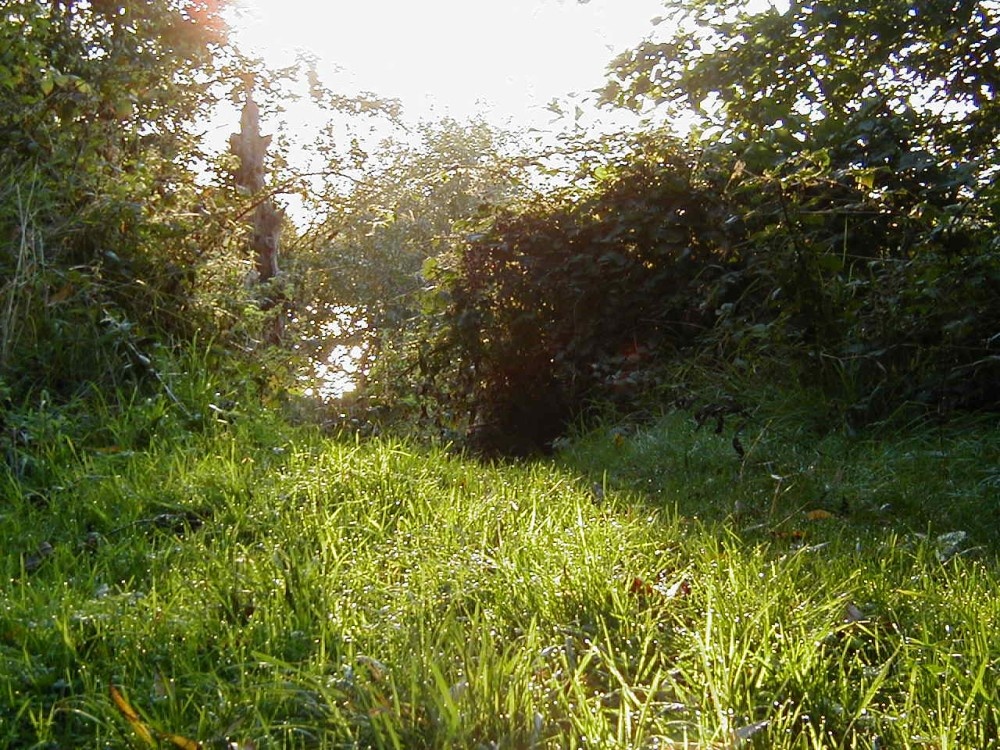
(570, 299)
(794, 267)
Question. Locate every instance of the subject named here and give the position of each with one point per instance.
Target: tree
(861, 140)
(408, 205)
(97, 153)
(878, 83)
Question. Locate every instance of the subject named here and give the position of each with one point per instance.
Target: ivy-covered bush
(835, 225)
(863, 144)
(572, 297)
(799, 269)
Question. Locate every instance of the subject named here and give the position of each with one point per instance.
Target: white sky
(504, 59)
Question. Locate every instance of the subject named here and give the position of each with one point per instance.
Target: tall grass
(268, 587)
(17, 292)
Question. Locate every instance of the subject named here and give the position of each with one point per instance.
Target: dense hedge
(802, 270)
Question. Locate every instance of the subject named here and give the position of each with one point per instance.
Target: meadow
(249, 584)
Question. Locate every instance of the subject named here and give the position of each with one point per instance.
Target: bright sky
(505, 59)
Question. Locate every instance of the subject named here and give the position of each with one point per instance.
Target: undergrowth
(245, 584)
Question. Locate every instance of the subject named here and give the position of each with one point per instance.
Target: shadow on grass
(775, 476)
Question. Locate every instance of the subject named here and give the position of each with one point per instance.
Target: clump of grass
(272, 588)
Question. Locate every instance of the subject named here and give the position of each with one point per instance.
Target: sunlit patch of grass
(279, 589)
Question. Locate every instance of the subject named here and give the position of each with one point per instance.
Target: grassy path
(256, 587)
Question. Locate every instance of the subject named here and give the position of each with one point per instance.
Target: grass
(247, 584)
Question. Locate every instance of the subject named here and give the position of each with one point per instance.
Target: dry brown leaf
(132, 716)
(61, 295)
(818, 515)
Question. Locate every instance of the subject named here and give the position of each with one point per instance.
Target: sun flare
(504, 61)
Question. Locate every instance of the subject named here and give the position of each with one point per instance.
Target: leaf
(795, 535)
(946, 545)
(183, 742)
(738, 447)
(82, 86)
(34, 562)
(639, 587)
(376, 669)
(133, 718)
(851, 613)
(62, 294)
(865, 178)
(161, 688)
(124, 108)
(642, 588)
(819, 515)
(678, 589)
(746, 732)
(143, 730)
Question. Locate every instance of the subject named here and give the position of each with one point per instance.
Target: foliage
(409, 204)
(879, 83)
(833, 221)
(863, 149)
(103, 223)
(881, 300)
(795, 269)
(567, 297)
(249, 585)
(242, 583)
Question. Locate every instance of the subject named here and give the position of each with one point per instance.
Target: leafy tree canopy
(406, 206)
(888, 82)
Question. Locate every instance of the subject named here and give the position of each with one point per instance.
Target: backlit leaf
(132, 716)
(182, 742)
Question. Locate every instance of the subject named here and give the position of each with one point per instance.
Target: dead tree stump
(250, 147)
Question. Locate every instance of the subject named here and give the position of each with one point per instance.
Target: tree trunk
(250, 147)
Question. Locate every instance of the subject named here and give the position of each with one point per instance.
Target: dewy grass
(263, 587)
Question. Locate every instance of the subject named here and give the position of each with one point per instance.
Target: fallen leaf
(639, 587)
(161, 686)
(746, 732)
(948, 544)
(132, 716)
(794, 536)
(818, 515)
(183, 742)
(142, 729)
(459, 689)
(678, 589)
(852, 613)
(61, 295)
(375, 668)
(738, 447)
